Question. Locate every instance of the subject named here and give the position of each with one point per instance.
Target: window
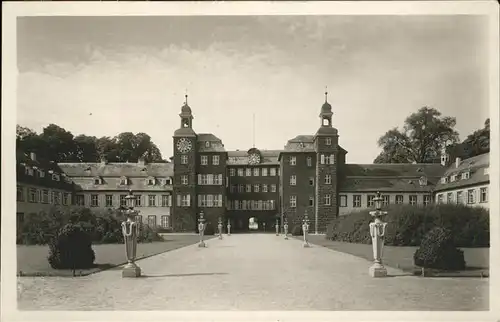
(218, 179)
(272, 172)
(41, 173)
(202, 200)
(293, 160)
(328, 200)
(413, 200)
(248, 172)
(241, 188)
(32, 195)
(45, 197)
(97, 181)
(343, 201)
(185, 200)
(399, 199)
(444, 180)
(123, 201)
(165, 221)
(184, 179)
(152, 221)
(232, 172)
(440, 198)
(370, 200)
(264, 172)
(256, 172)
(311, 181)
(109, 200)
(29, 171)
(483, 194)
(218, 200)
(465, 175)
(207, 144)
(123, 181)
(471, 196)
(328, 179)
(385, 200)
(449, 197)
(273, 188)
(327, 159)
(20, 193)
(138, 219)
(427, 200)
(293, 180)
(453, 178)
(293, 201)
(184, 159)
(271, 205)
(152, 200)
(56, 197)
(356, 201)
(311, 201)
(460, 197)
(233, 188)
(256, 188)
(264, 188)
(240, 172)
(249, 188)
(309, 161)
(138, 201)
(80, 199)
(204, 160)
(328, 141)
(165, 201)
(210, 200)
(94, 201)
(215, 160)
(332, 158)
(151, 181)
(422, 181)
(168, 181)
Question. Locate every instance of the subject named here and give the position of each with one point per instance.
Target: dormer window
(422, 181)
(444, 180)
(486, 171)
(168, 181)
(97, 181)
(55, 177)
(29, 171)
(41, 173)
(207, 144)
(151, 181)
(453, 178)
(466, 175)
(123, 181)
(328, 141)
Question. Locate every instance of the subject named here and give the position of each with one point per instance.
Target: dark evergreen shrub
(438, 251)
(297, 230)
(407, 225)
(71, 249)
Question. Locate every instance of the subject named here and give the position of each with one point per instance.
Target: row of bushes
(101, 226)
(408, 224)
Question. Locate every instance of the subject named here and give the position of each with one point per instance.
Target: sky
(101, 76)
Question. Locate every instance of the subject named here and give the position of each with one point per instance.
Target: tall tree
(420, 140)
(476, 143)
(59, 144)
(86, 148)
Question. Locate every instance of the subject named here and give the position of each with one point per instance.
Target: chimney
(141, 161)
(33, 156)
(457, 162)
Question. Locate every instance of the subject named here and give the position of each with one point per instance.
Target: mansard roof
(215, 145)
(475, 166)
(268, 157)
(92, 169)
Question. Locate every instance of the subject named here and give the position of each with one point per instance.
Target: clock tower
(184, 185)
(327, 155)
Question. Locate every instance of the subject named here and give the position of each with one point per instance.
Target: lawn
(477, 259)
(32, 260)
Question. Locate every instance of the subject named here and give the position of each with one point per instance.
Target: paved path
(252, 272)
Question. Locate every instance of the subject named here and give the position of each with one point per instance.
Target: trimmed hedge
(101, 226)
(408, 224)
(71, 249)
(438, 251)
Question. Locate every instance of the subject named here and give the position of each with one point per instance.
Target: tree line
(423, 135)
(55, 143)
(420, 140)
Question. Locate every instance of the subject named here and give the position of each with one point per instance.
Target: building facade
(308, 176)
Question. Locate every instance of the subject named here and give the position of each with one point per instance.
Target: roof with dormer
(83, 175)
(475, 166)
(393, 177)
(268, 157)
(302, 143)
(215, 144)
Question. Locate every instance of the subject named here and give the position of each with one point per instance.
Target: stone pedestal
(377, 270)
(202, 244)
(131, 270)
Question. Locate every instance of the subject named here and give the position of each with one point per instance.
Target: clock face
(184, 145)
(254, 158)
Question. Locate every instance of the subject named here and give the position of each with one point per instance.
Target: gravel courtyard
(252, 272)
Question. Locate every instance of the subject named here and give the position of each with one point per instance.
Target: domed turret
(186, 120)
(326, 113)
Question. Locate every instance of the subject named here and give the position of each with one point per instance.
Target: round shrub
(71, 249)
(438, 251)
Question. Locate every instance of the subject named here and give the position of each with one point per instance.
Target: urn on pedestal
(305, 230)
(130, 230)
(377, 233)
(201, 229)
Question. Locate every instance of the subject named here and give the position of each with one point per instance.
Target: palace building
(309, 175)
